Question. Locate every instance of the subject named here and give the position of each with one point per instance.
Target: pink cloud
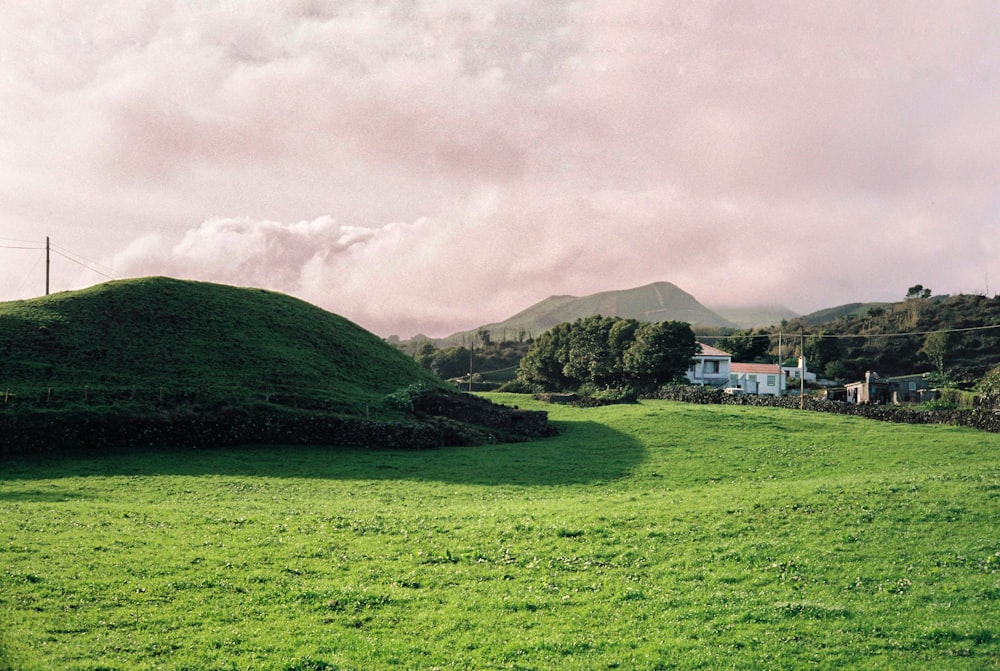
(821, 151)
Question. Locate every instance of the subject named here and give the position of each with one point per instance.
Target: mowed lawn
(652, 536)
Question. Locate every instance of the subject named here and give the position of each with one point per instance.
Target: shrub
(520, 387)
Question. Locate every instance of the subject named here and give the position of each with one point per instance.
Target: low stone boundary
(39, 435)
(509, 424)
(981, 418)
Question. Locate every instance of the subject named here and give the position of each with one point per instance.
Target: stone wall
(507, 424)
(454, 419)
(984, 419)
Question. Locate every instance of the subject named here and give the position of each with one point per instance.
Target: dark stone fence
(99, 433)
(449, 420)
(507, 424)
(984, 419)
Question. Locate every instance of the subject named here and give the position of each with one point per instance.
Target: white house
(711, 367)
(762, 379)
(795, 372)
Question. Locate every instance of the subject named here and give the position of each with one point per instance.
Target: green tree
(451, 362)
(917, 291)
(659, 353)
(590, 358)
(822, 349)
(546, 358)
(608, 352)
(745, 345)
(425, 354)
(936, 347)
(989, 386)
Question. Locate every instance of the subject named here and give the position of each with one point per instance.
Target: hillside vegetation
(156, 339)
(955, 335)
(644, 537)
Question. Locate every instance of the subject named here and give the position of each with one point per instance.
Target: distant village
(716, 368)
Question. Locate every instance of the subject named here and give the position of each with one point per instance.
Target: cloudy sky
(426, 166)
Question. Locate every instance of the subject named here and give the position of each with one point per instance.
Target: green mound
(157, 361)
(156, 339)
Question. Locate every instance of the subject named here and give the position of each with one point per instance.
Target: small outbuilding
(762, 379)
(891, 390)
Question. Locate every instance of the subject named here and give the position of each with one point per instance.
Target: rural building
(762, 379)
(711, 366)
(895, 390)
(794, 372)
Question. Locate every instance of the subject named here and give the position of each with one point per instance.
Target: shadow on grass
(583, 453)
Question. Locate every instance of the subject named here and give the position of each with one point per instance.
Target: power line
(81, 263)
(905, 334)
(82, 258)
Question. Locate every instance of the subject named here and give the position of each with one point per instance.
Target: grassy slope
(644, 537)
(238, 345)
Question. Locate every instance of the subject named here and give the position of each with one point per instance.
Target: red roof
(759, 368)
(708, 350)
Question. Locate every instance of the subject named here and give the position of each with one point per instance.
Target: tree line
(609, 353)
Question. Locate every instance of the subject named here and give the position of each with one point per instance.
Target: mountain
(660, 301)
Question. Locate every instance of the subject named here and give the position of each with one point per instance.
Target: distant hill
(216, 340)
(661, 301)
(755, 317)
(842, 312)
(960, 334)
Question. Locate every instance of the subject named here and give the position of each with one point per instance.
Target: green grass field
(653, 536)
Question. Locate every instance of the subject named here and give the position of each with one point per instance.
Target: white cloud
(823, 151)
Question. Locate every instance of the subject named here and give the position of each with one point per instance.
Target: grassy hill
(160, 362)
(660, 301)
(142, 339)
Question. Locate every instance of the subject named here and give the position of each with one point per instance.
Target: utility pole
(782, 388)
(472, 354)
(48, 265)
(802, 369)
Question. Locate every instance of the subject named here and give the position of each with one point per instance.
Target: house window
(711, 367)
(772, 380)
(752, 378)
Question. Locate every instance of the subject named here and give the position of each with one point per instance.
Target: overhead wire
(796, 334)
(83, 261)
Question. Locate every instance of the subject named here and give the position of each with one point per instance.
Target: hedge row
(983, 419)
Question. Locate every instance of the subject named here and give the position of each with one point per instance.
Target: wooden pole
(48, 264)
(802, 369)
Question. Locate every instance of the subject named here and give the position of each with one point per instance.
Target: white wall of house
(757, 378)
(711, 367)
(794, 372)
